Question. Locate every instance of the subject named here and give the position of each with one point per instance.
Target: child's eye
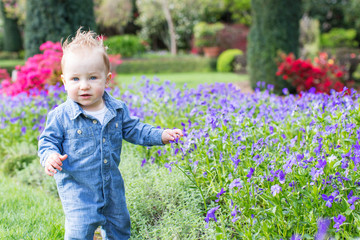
(93, 78)
(75, 79)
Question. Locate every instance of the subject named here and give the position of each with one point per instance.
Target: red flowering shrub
(40, 70)
(323, 74)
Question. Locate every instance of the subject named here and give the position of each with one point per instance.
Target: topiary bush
(226, 59)
(126, 45)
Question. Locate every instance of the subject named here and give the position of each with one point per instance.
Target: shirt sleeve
(51, 139)
(139, 133)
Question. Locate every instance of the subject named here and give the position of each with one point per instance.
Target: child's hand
(171, 135)
(54, 162)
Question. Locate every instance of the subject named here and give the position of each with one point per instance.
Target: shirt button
(79, 131)
(103, 139)
(105, 161)
(116, 124)
(94, 122)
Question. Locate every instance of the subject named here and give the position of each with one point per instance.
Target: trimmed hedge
(168, 65)
(126, 45)
(226, 60)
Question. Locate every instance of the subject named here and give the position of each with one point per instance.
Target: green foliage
(240, 11)
(10, 165)
(53, 20)
(339, 37)
(12, 41)
(34, 175)
(226, 59)
(168, 65)
(275, 27)
(161, 205)
(17, 157)
(184, 13)
(28, 213)
(113, 13)
(206, 34)
(126, 45)
(329, 13)
(352, 14)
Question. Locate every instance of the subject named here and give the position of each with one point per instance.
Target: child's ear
(63, 80)
(108, 78)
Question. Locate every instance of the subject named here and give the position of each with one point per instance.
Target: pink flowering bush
(40, 70)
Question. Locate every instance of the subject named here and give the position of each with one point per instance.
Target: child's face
(85, 77)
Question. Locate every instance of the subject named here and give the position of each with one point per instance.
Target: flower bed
(266, 166)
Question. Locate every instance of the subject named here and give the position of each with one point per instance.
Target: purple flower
(219, 194)
(143, 162)
(329, 199)
(211, 214)
(323, 225)
(23, 130)
(352, 201)
(235, 183)
(295, 237)
(234, 213)
(168, 166)
(249, 175)
(275, 189)
(281, 176)
(338, 221)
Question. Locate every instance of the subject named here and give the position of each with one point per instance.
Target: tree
(52, 20)
(275, 27)
(12, 37)
(113, 13)
(184, 14)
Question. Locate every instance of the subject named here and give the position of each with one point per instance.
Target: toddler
(81, 143)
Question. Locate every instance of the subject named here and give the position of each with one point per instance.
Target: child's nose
(84, 84)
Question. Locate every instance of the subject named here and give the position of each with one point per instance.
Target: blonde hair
(83, 39)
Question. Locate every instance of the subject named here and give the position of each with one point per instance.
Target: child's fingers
(48, 172)
(179, 132)
(63, 157)
(55, 165)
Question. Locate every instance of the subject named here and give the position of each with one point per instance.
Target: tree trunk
(170, 23)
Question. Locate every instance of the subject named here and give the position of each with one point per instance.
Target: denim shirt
(90, 174)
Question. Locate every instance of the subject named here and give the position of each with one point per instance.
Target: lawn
(192, 79)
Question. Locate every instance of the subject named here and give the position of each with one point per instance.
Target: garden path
(244, 86)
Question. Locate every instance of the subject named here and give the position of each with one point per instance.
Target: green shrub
(339, 37)
(11, 164)
(34, 175)
(168, 65)
(205, 34)
(126, 45)
(226, 59)
(161, 205)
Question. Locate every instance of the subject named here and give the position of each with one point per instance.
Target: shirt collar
(111, 103)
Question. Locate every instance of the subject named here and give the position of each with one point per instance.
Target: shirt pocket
(115, 135)
(82, 142)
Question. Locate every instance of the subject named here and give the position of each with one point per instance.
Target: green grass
(5, 63)
(192, 79)
(28, 213)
